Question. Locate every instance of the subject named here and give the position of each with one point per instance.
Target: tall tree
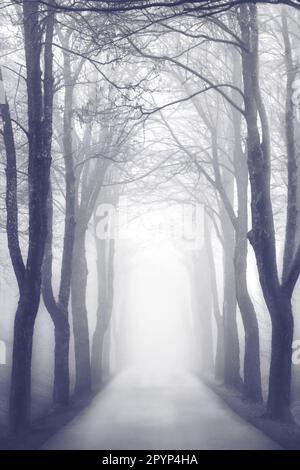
(277, 293)
(59, 308)
(105, 247)
(39, 109)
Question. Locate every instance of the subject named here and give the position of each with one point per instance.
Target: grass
(47, 421)
(285, 434)
(44, 427)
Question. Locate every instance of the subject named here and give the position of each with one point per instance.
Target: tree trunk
(61, 385)
(40, 102)
(97, 352)
(219, 357)
(204, 310)
(232, 375)
(98, 336)
(281, 360)
(80, 318)
(291, 150)
(252, 374)
(59, 311)
(262, 235)
(61, 388)
(21, 361)
(105, 269)
(59, 314)
(106, 353)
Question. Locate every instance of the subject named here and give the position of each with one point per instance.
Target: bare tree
(39, 101)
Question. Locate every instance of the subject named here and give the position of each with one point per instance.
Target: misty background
(149, 226)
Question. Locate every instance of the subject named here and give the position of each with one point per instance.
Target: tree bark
(204, 310)
(232, 376)
(262, 235)
(89, 177)
(59, 310)
(252, 372)
(292, 157)
(105, 266)
(219, 356)
(59, 314)
(97, 353)
(61, 387)
(98, 336)
(20, 395)
(79, 313)
(39, 108)
(281, 358)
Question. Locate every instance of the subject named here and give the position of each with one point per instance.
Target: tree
(277, 293)
(58, 310)
(105, 247)
(39, 109)
(101, 149)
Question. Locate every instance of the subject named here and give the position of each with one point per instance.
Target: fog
(149, 225)
(158, 317)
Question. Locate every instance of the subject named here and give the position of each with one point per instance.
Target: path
(182, 415)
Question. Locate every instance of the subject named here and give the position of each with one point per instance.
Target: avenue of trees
(193, 103)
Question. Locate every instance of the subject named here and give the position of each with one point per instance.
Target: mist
(149, 225)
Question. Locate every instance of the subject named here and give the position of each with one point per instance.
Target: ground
(135, 412)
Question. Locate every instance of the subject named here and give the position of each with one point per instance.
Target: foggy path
(181, 413)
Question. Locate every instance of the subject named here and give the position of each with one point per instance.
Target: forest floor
(135, 413)
(286, 434)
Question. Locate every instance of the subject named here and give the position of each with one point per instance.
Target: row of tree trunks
(234, 242)
(88, 187)
(262, 235)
